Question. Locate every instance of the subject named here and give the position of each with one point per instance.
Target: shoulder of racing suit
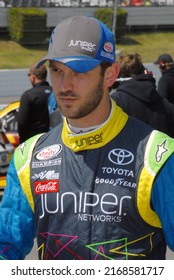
(22, 159)
(158, 149)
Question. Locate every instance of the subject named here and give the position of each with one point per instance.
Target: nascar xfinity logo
(48, 152)
(120, 156)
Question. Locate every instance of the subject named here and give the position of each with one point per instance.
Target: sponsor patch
(120, 156)
(47, 186)
(108, 47)
(48, 152)
(44, 163)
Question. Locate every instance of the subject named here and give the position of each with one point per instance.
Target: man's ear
(111, 74)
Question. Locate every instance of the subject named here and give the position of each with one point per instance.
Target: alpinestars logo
(22, 148)
(161, 149)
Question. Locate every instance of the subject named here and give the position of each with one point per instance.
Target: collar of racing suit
(97, 137)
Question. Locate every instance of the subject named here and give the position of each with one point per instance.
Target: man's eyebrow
(51, 63)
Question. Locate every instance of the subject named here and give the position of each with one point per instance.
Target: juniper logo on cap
(81, 43)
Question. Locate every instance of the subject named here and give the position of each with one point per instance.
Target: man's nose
(66, 82)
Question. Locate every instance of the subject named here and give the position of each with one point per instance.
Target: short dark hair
(40, 73)
(104, 65)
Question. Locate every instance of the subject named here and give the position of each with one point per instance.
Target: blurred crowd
(78, 3)
(139, 3)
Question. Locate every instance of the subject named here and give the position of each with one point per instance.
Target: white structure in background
(97, 3)
(169, 2)
(162, 2)
(61, 3)
(2, 4)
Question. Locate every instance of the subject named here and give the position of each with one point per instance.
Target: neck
(95, 118)
(97, 137)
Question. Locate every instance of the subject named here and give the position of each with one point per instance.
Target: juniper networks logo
(83, 45)
(120, 156)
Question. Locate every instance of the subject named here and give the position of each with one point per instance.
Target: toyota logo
(120, 156)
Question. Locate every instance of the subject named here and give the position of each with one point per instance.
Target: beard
(93, 99)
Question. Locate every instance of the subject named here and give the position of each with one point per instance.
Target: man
(33, 115)
(136, 94)
(165, 85)
(98, 186)
(55, 115)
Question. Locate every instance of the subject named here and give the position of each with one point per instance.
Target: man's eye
(56, 70)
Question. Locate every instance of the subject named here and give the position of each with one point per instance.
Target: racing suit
(88, 196)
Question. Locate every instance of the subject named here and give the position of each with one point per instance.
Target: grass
(148, 44)
(14, 55)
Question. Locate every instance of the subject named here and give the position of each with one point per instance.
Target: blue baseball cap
(81, 43)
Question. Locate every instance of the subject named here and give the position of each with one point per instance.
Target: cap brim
(80, 64)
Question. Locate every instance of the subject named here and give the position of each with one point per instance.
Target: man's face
(77, 95)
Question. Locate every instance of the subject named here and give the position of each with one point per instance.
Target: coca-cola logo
(46, 186)
(48, 152)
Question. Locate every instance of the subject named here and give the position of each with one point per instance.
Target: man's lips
(67, 99)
